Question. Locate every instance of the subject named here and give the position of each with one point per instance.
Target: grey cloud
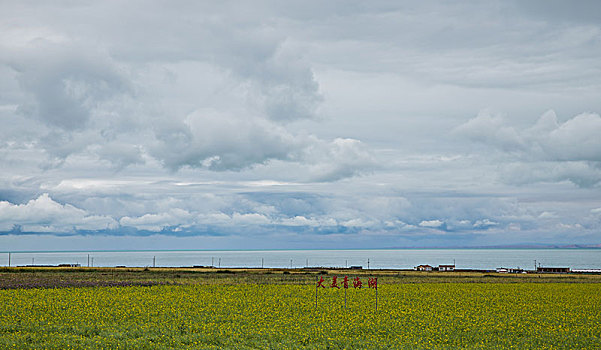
(65, 83)
(490, 129)
(557, 10)
(339, 159)
(304, 122)
(583, 174)
(220, 141)
(548, 151)
(85, 95)
(256, 214)
(576, 139)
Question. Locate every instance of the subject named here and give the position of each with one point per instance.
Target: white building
(446, 267)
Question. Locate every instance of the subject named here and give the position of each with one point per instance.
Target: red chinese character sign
(372, 283)
(334, 282)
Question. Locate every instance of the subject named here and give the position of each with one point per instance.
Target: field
(163, 308)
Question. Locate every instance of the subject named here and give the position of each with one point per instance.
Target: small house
(446, 267)
(423, 268)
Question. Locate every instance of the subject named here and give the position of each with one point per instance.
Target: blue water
(378, 258)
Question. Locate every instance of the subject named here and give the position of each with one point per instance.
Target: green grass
(254, 309)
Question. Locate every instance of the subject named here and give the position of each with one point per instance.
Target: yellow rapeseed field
(412, 316)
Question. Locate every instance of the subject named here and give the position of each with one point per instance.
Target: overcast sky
(299, 124)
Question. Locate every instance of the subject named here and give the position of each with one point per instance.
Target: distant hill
(514, 246)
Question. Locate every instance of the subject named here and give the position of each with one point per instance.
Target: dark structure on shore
(543, 269)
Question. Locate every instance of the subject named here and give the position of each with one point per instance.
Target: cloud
(301, 123)
(157, 222)
(582, 174)
(96, 105)
(485, 223)
(431, 223)
(490, 129)
(339, 159)
(45, 215)
(575, 140)
(547, 151)
(220, 141)
(64, 83)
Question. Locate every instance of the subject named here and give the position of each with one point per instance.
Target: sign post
(316, 288)
(345, 285)
(373, 283)
(357, 284)
(320, 280)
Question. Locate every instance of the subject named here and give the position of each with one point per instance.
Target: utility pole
(290, 263)
(88, 260)
(368, 264)
(154, 260)
(534, 264)
(8, 259)
(219, 262)
(212, 262)
(262, 262)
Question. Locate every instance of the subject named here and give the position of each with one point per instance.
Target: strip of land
(42, 277)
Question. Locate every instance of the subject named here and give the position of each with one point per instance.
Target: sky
(299, 124)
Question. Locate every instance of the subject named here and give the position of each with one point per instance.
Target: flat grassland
(247, 309)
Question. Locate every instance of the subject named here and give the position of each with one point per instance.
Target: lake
(372, 258)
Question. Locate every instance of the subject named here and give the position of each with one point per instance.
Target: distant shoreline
(507, 247)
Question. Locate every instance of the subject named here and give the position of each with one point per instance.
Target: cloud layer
(342, 124)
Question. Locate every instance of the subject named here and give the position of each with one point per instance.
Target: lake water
(376, 258)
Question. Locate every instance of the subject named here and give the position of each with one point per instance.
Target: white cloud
(45, 215)
(157, 222)
(485, 223)
(431, 223)
(299, 220)
(547, 215)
